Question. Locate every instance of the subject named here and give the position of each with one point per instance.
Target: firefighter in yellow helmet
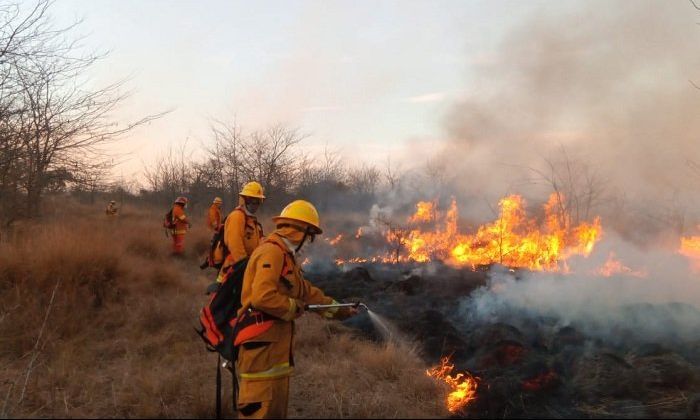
(214, 215)
(274, 293)
(242, 232)
(181, 225)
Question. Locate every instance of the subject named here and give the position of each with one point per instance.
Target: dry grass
(118, 338)
(341, 376)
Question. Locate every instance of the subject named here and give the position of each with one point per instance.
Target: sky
(367, 79)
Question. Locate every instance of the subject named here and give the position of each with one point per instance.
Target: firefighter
(181, 224)
(214, 215)
(242, 232)
(274, 293)
(111, 209)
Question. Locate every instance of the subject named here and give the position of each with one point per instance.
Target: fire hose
(335, 305)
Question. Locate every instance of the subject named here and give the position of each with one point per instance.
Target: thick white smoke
(663, 305)
(608, 82)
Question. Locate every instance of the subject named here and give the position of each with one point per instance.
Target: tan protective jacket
(180, 219)
(242, 234)
(214, 217)
(273, 283)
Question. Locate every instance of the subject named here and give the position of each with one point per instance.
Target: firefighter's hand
(300, 308)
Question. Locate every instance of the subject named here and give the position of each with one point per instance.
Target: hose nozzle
(334, 305)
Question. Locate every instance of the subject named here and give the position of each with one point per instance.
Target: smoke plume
(607, 83)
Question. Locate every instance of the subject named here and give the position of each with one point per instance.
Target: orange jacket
(273, 283)
(180, 219)
(242, 234)
(214, 217)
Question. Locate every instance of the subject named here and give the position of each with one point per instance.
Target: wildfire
(463, 385)
(334, 241)
(614, 266)
(690, 247)
(425, 212)
(512, 239)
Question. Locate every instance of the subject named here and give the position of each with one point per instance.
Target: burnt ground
(527, 367)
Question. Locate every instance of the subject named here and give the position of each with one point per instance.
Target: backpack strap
(248, 217)
(285, 267)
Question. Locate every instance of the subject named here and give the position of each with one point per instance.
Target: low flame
(334, 241)
(613, 266)
(463, 385)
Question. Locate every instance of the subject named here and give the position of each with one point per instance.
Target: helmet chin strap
(307, 234)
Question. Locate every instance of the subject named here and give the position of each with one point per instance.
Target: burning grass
(96, 321)
(514, 239)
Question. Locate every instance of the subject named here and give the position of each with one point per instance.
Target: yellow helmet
(218, 200)
(252, 189)
(301, 211)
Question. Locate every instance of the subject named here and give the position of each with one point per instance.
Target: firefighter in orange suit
(273, 295)
(181, 225)
(214, 215)
(242, 232)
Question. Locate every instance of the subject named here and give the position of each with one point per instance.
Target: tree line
(54, 124)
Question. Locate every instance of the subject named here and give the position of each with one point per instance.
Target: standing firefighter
(214, 215)
(179, 224)
(111, 209)
(242, 232)
(273, 294)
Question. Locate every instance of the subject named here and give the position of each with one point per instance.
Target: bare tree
(172, 173)
(53, 124)
(364, 179)
(269, 156)
(393, 175)
(577, 186)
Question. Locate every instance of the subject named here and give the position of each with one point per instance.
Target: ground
(97, 320)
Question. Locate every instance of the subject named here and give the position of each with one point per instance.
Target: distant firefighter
(177, 222)
(111, 209)
(214, 215)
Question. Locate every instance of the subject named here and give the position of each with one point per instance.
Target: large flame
(512, 239)
(462, 385)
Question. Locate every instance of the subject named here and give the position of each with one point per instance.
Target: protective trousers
(178, 243)
(263, 399)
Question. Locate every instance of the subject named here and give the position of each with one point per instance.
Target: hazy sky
(366, 78)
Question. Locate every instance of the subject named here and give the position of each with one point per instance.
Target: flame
(425, 212)
(690, 248)
(463, 385)
(334, 241)
(512, 239)
(614, 266)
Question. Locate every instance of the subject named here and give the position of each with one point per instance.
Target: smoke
(606, 82)
(662, 306)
